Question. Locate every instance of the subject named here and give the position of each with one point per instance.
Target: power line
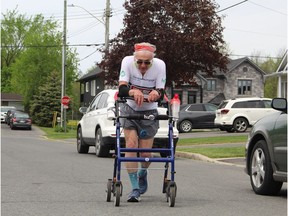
(231, 6)
(285, 14)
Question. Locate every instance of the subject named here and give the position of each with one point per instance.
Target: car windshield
(22, 115)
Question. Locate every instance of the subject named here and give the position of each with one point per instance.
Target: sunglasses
(146, 62)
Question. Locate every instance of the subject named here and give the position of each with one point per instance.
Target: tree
(13, 31)
(32, 49)
(47, 101)
(187, 34)
(269, 66)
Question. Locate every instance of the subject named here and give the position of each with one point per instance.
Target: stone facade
(226, 84)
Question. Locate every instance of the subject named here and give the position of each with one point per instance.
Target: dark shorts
(146, 129)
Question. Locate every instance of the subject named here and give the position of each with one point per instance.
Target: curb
(195, 156)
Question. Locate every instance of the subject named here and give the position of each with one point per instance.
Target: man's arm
(125, 91)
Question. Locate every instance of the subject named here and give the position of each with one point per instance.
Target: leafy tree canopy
(187, 34)
(31, 50)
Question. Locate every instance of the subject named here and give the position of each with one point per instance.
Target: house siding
(231, 89)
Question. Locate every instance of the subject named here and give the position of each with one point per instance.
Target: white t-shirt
(154, 78)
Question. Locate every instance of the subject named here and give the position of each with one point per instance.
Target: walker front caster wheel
(171, 191)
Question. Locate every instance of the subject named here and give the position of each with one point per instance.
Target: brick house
(242, 79)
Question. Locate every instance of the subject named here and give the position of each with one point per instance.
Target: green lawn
(221, 152)
(213, 140)
(51, 133)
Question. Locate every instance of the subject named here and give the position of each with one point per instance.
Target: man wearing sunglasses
(143, 77)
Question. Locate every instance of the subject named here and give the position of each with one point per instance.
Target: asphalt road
(49, 178)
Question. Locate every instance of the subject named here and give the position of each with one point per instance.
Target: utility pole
(107, 20)
(63, 111)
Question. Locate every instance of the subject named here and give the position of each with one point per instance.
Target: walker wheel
(117, 193)
(171, 194)
(109, 190)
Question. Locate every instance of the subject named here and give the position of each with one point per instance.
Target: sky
(253, 27)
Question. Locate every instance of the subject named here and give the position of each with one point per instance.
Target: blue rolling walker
(114, 185)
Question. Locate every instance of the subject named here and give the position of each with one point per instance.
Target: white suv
(95, 129)
(240, 113)
(4, 110)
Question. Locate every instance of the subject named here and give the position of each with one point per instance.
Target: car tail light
(29, 121)
(224, 111)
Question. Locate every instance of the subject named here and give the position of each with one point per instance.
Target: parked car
(4, 110)
(196, 116)
(20, 120)
(240, 113)
(9, 114)
(266, 151)
(94, 128)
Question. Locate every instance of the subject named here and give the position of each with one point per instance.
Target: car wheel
(185, 126)
(261, 172)
(81, 147)
(240, 125)
(100, 149)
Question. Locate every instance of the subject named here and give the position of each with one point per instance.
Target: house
(242, 79)
(90, 85)
(281, 74)
(11, 99)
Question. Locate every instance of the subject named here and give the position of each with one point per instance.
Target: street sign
(65, 100)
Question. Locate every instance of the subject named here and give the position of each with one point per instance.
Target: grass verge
(51, 133)
(221, 152)
(213, 140)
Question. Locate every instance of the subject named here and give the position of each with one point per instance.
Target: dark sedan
(20, 120)
(196, 116)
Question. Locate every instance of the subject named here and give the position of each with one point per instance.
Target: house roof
(236, 62)
(282, 68)
(11, 97)
(94, 73)
(217, 99)
(283, 65)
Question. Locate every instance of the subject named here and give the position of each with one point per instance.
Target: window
(93, 87)
(95, 102)
(244, 87)
(103, 101)
(82, 89)
(211, 85)
(191, 97)
(210, 107)
(245, 69)
(87, 87)
(196, 107)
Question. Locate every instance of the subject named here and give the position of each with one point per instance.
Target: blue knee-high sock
(134, 180)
